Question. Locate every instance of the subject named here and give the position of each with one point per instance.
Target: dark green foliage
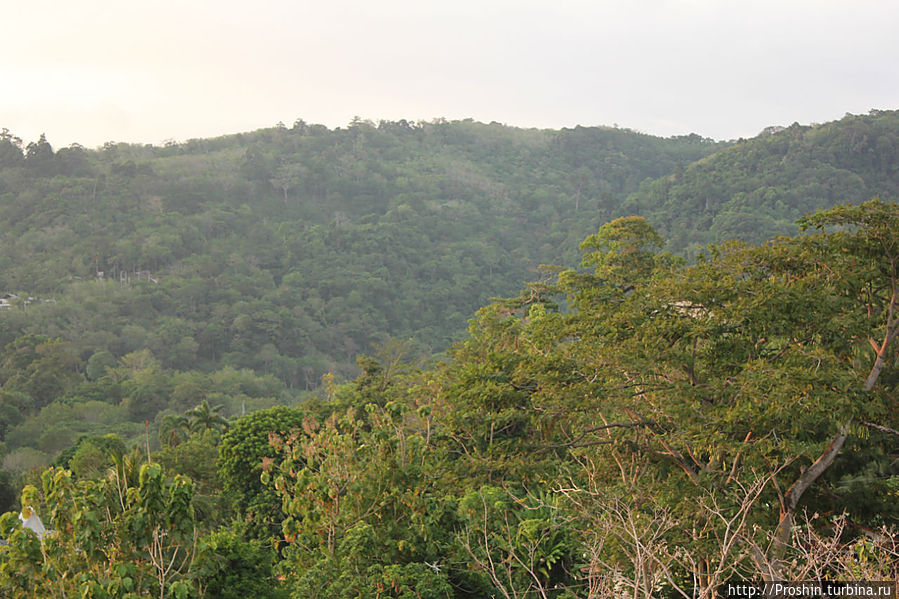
(134, 398)
(40, 368)
(99, 364)
(640, 425)
(227, 566)
(10, 149)
(407, 581)
(197, 458)
(13, 407)
(701, 394)
(39, 157)
(91, 455)
(8, 493)
(291, 251)
(758, 188)
(242, 452)
(633, 431)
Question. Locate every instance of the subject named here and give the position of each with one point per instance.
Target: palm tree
(126, 471)
(174, 429)
(203, 417)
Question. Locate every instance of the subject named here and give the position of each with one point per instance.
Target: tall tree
(39, 156)
(750, 364)
(10, 149)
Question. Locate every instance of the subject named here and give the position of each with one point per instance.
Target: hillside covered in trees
(139, 281)
(289, 251)
(637, 426)
(760, 187)
(134, 277)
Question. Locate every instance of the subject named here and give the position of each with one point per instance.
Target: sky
(94, 71)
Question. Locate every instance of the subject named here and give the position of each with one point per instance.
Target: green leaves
(622, 251)
(229, 566)
(521, 544)
(108, 539)
(243, 450)
(680, 381)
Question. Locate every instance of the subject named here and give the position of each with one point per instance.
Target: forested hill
(291, 250)
(760, 187)
(640, 422)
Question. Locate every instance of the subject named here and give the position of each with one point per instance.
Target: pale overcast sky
(92, 71)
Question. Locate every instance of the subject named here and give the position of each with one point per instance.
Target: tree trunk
(784, 529)
(807, 478)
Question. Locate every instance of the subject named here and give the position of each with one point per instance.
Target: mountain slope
(760, 187)
(290, 251)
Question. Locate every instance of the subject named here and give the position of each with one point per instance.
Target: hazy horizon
(99, 71)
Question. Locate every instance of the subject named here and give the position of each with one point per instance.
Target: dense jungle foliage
(179, 321)
(280, 254)
(674, 428)
(759, 188)
(290, 251)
